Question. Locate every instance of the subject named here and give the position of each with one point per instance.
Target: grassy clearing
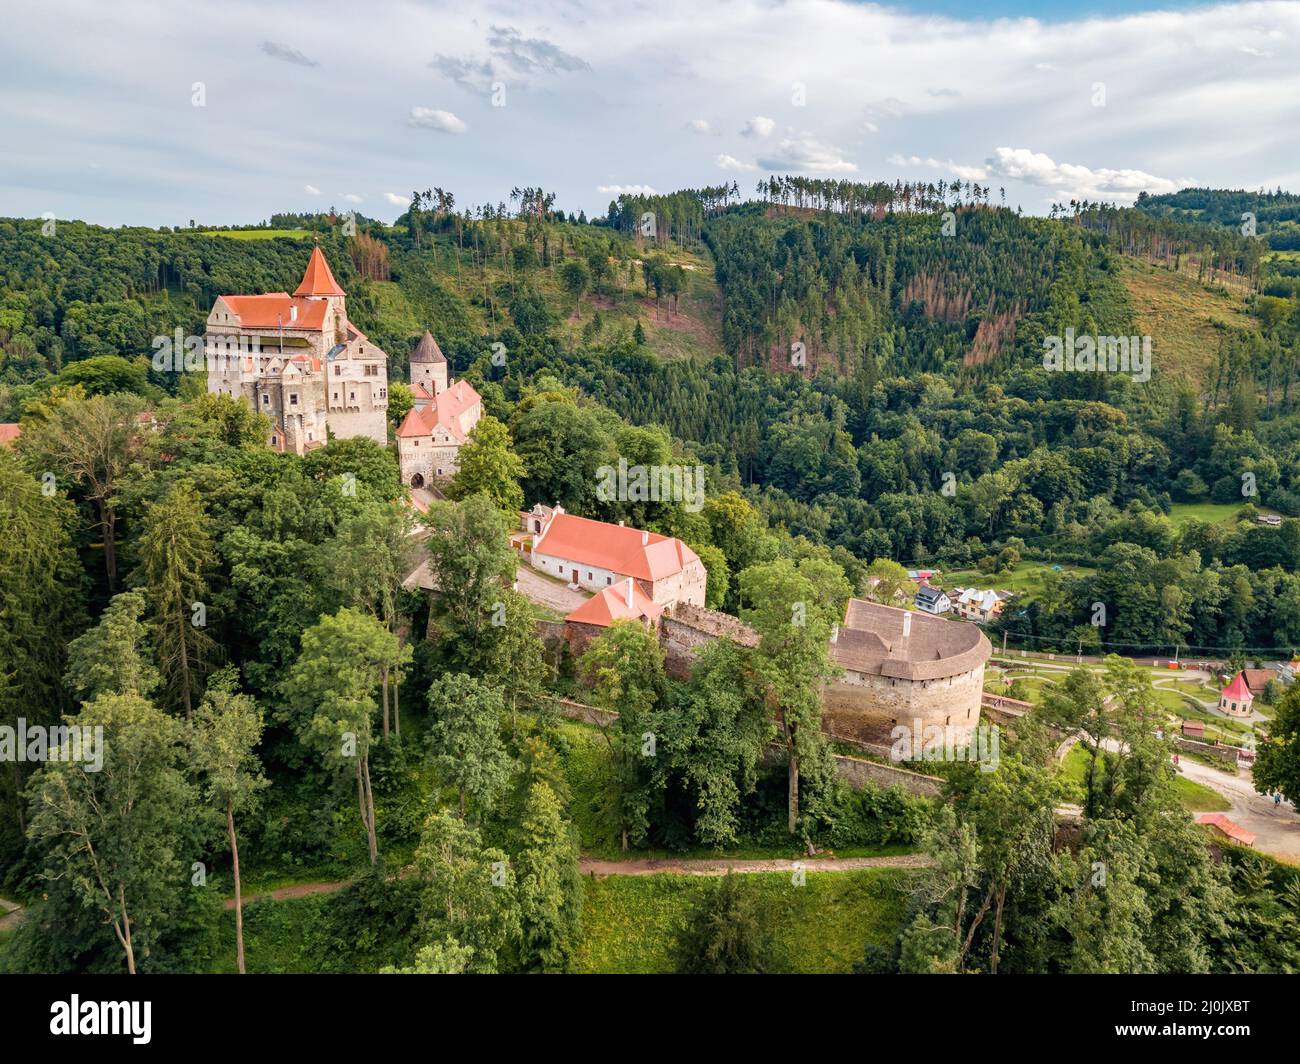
(629, 923)
(260, 234)
(1026, 578)
(1183, 317)
(1195, 797)
(1213, 513)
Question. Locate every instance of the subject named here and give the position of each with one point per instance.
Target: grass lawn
(1026, 577)
(1210, 512)
(629, 922)
(260, 234)
(1196, 797)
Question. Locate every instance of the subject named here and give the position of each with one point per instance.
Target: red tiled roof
(1237, 690)
(1234, 831)
(610, 605)
(1257, 678)
(318, 280)
(444, 411)
(275, 309)
(614, 547)
(9, 431)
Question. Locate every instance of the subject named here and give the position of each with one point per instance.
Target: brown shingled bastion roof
(872, 640)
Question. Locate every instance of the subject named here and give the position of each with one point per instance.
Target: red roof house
(596, 554)
(1236, 698)
(9, 431)
(1227, 828)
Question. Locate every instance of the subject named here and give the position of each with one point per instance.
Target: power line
(1177, 646)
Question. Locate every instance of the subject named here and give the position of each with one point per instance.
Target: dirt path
(722, 865)
(12, 913)
(653, 867)
(298, 890)
(1276, 828)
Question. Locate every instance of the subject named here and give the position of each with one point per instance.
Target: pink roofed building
(1235, 699)
(595, 555)
(618, 602)
(431, 435)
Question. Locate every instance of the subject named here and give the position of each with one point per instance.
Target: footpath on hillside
(703, 866)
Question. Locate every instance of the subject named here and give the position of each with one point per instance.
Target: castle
(300, 361)
(897, 667)
(444, 413)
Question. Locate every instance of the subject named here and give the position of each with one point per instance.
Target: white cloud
(758, 126)
(730, 162)
(1080, 182)
(626, 190)
(311, 190)
(965, 172)
(1186, 91)
(429, 118)
(351, 197)
(699, 125)
(803, 154)
(396, 200)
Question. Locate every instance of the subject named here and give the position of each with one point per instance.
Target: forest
(877, 395)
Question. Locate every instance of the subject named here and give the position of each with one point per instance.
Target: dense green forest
(877, 392)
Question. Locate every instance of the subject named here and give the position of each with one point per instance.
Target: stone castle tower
(429, 366)
(299, 360)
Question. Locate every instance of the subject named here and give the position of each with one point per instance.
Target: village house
(9, 431)
(1236, 698)
(438, 425)
(973, 604)
(299, 360)
(594, 555)
(932, 600)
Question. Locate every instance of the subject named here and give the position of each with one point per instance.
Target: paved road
(546, 591)
(1277, 829)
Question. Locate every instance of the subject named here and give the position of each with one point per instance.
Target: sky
(138, 113)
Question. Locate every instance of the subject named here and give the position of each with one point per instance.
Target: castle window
(266, 400)
(337, 369)
(353, 394)
(293, 400)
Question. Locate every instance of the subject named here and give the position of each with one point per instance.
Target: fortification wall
(685, 629)
(866, 707)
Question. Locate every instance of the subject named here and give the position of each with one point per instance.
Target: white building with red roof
(438, 425)
(298, 359)
(596, 555)
(1236, 699)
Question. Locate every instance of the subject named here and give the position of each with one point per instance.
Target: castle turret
(429, 365)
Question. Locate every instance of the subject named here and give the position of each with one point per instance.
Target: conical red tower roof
(318, 280)
(1238, 689)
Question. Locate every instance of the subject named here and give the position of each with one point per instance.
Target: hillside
(1185, 317)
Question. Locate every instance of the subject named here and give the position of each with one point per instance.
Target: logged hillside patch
(1183, 317)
